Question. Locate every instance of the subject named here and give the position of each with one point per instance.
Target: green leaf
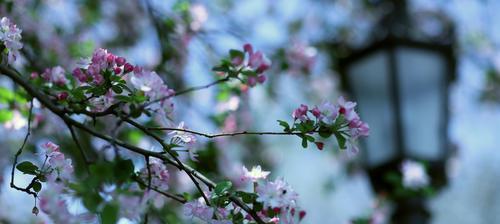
(123, 170)
(304, 142)
(223, 187)
(284, 124)
(341, 140)
(109, 214)
(117, 89)
(124, 98)
(6, 95)
(246, 196)
(310, 138)
(236, 53)
(249, 73)
(6, 115)
(27, 168)
(37, 186)
(221, 68)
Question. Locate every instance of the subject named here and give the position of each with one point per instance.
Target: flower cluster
(159, 174)
(300, 57)
(414, 175)
(247, 65)
(328, 119)
(273, 201)
(55, 76)
(105, 80)
(186, 139)
(58, 166)
(100, 62)
(10, 36)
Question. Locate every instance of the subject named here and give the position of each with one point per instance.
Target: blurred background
(425, 74)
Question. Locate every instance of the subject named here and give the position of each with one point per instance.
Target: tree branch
(17, 78)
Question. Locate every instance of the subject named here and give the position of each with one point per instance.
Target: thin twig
(167, 149)
(225, 134)
(195, 88)
(175, 197)
(149, 171)
(77, 143)
(18, 153)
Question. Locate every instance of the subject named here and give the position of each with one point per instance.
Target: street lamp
(401, 86)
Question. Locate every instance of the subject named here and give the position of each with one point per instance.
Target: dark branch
(18, 153)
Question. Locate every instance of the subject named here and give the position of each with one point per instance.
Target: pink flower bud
(110, 58)
(316, 112)
(319, 145)
(248, 48)
(261, 79)
(80, 75)
(252, 81)
(302, 214)
(34, 75)
(128, 68)
(98, 79)
(117, 70)
(120, 61)
(62, 96)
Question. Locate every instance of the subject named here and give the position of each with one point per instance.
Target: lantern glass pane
(421, 82)
(369, 81)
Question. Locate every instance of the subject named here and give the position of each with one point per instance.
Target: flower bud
(35, 210)
(120, 61)
(261, 78)
(252, 81)
(110, 58)
(128, 68)
(117, 70)
(62, 96)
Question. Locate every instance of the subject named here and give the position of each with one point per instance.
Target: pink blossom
(276, 194)
(50, 147)
(159, 174)
(198, 209)
(101, 103)
(254, 175)
(259, 62)
(10, 36)
(300, 113)
(327, 113)
(55, 75)
(146, 81)
(80, 75)
(347, 108)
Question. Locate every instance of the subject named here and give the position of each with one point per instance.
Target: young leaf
(109, 214)
(27, 168)
(304, 142)
(341, 140)
(284, 124)
(6, 115)
(222, 187)
(37, 186)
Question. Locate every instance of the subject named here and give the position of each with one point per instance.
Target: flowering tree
(108, 99)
